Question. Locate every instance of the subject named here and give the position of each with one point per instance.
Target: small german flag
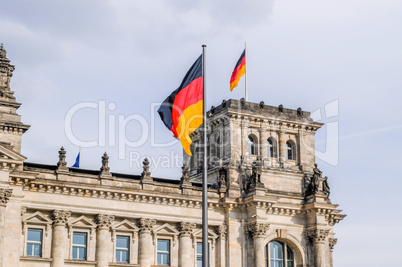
(182, 111)
(238, 71)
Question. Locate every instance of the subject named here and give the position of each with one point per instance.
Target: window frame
(120, 248)
(285, 248)
(252, 145)
(291, 148)
(79, 245)
(196, 251)
(34, 242)
(271, 148)
(169, 253)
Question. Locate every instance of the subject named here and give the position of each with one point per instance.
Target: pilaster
(185, 246)
(145, 251)
(103, 239)
(59, 237)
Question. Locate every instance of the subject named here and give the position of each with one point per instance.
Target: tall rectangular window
(122, 248)
(199, 254)
(79, 246)
(163, 252)
(34, 242)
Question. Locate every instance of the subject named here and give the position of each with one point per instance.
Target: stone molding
(332, 242)
(222, 231)
(147, 225)
(317, 235)
(60, 217)
(104, 220)
(186, 228)
(5, 194)
(257, 229)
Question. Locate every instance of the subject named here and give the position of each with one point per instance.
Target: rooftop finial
(3, 52)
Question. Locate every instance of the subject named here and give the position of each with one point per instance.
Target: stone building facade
(268, 203)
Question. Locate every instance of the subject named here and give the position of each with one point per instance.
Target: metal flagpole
(205, 170)
(245, 70)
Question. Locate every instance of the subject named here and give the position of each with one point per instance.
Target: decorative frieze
(317, 235)
(104, 220)
(60, 217)
(186, 228)
(147, 224)
(5, 195)
(222, 231)
(257, 229)
(332, 242)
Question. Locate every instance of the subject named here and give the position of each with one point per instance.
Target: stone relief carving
(186, 228)
(257, 229)
(317, 235)
(222, 230)
(147, 224)
(317, 184)
(5, 195)
(332, 242)
(60, 216)
(104, 220)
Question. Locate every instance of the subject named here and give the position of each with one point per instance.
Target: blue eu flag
(77, 161)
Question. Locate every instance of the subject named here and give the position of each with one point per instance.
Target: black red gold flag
(238, 71)
(182, 111)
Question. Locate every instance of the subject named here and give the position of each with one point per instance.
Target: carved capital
(317, 235)
(332, 242)
(222, 230)
(147, 224)
(104, 220)
(257, 229)
(186, 228)
(5, 195)
(60, 217)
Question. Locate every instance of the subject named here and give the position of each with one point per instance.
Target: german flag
(182, 111)
(238, 71)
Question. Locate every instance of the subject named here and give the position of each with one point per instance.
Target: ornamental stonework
(146, 225)
(5, 195)
(332, 242)
(257, 229)
(317, 235)
(222, 230)
(186, 228)
(104, 220)
(60, 217)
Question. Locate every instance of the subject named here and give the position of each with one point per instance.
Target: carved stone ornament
(62, 164)
(146, 174)
(3, 52)
(262, 104)
(222, 230)
(185, 178)
(242, 101)
(317, 235)
(332, 242)
(147, 224)
(5, 195)
(222, 178)
(186, 228)
(60, 216)
(299, 111)
(257, 229)
(105, 170)
(104, 220)
(280, 108)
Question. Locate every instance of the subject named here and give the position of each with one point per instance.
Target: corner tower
(11, 127)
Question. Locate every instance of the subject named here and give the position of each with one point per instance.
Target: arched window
(290, 150)
(271, 148)
(251, 145)
(278, 254)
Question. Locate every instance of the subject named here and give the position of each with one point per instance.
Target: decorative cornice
(257, 229)
(186, 228)
(222, 231)
(146, 225)
(104, 220)
(5, 195)
(332, 242)
(317, 235)
(60, 217)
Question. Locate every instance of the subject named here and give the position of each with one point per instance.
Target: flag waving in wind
(182, 111)
(238, 71)
(77, 161)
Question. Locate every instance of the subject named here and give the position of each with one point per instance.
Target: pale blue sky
(300, 54)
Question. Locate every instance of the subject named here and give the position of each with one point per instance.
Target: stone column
(103, 239)
(145, 251)
(332, 242)
(318, 237)
(221, 246)
(185, 245)
(282, 148)
(258, 232)
(59, 237)
(5, 195)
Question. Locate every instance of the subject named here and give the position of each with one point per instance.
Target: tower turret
(11, 127)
